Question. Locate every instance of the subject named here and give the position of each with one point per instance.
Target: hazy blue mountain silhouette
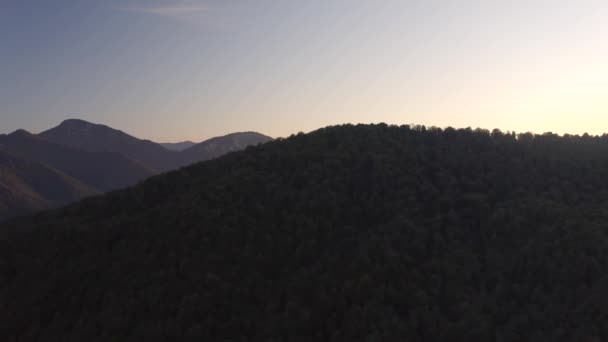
(104, 171)
(27, 186)
(218, 146)
(179, 146)
(100, 138)
(90, 158)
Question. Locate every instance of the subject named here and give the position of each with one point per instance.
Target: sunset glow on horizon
(188, 70)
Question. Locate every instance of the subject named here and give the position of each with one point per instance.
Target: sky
(172, 70)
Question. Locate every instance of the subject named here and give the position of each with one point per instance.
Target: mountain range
(26, 186)
(348, 233)
(93, 158)
(179, 146)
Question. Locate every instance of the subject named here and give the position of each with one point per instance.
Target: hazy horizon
(174, 70)
(195, 141)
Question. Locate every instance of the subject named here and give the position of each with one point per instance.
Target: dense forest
(348, 233)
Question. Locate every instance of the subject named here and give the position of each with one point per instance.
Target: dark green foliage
(350, 233)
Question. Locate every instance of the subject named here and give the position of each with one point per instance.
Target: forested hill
(26, 186)
(349, 233)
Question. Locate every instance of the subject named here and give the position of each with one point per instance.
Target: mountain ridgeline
(349, 233)
(28, 186)
(98, 158)
(101, 138)
(103, 171)
(180, 146)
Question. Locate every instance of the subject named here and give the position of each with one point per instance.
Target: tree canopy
(348, 233)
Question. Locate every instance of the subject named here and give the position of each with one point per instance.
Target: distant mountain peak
(94, 137)
(80, 125)
(75, 122)
(178, 146)
(20, 133)
(218, 146)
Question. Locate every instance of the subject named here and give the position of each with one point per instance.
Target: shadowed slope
(351, 233)
(218, 146)
(27, 186)
(103, 171)
(180, 146)
(99, 138)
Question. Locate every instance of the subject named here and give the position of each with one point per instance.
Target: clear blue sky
(173, 70)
